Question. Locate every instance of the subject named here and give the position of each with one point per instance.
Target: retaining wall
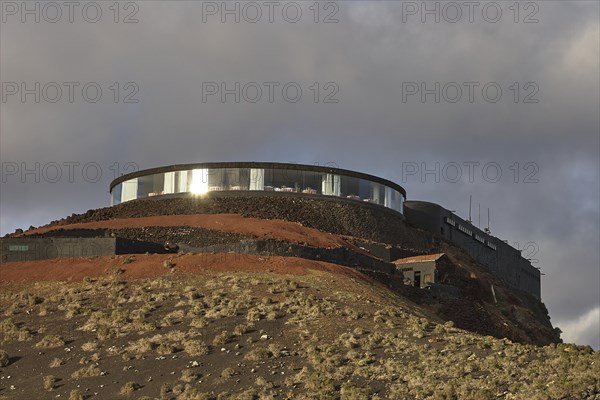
(342, 256)
(31, 249)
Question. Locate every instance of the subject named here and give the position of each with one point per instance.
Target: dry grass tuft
(56, 362)
(86, 372)
(258, 354)
(50, 341)
(228, 373)
(49, 381)
(4, 358)
(222, 338)
(75, 395)
(195, 347)
(89, 346)
(187, 375)
(166, 349)
(128, 388)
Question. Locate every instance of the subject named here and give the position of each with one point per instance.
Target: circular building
(266, 178)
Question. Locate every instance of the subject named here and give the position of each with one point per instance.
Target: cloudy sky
(495, 99)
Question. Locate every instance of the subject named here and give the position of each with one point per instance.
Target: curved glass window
(204, 180)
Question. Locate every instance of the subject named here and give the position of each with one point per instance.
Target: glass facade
(294, 180)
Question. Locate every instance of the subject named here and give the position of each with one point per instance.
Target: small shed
(419, 271)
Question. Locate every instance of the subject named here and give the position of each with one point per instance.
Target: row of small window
(469, 232)
(16, 247)
(465, 230)
(450, 221)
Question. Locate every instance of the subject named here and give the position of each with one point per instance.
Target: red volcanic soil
(143, 266)
(260, 228)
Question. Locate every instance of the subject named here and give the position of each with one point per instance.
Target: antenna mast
(470, 209)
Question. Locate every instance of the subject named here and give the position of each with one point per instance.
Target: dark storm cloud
(370, 54)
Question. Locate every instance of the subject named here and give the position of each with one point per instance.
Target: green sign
(18, 247)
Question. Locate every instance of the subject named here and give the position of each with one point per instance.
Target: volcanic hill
(206, 321)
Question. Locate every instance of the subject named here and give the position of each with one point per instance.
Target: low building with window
(419, 271)
(497, 255)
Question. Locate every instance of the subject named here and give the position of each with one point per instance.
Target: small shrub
(24, 335)
(173, 318)
(168, 264)
(276, 350)
(195, 348)
(34, 300)
(176, 336)
(262, 382)
(49, 381)
(253, 315)
(141, 346)
(4, 359)
(50, 341)
(89, 346)
(118, 317)
(222, 338)
(165, 389)
(419, 335)
(86, 372)
(128, 388)
(241, 329)
(258, 354)
(358, 331)
(190, 393)
(351, 392)
(192, 294)
(198, 322)
(187, 375)
(273, 315)
(166, 349)
(128, 260)
(57, 362)
(227, 373)
(106, 333)
(75, 395)
(9, 330)
(349, 341)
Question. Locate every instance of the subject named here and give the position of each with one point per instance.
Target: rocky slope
(226, 326)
